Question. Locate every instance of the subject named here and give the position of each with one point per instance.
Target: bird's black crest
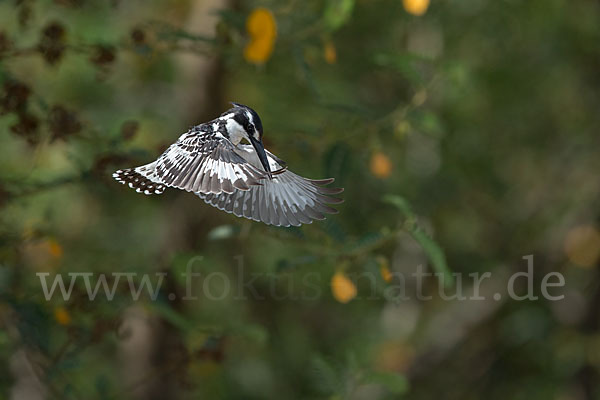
(242, 119)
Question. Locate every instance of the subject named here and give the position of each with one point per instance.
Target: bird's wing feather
(142, 179)
(206, 162)
(286, 199)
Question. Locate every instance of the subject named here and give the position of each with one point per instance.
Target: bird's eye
(252, 130)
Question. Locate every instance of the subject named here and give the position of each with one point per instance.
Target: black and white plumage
(243, 179)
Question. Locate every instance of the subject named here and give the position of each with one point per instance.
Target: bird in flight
(246, 180)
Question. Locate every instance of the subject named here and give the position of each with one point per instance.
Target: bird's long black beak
(262, 156)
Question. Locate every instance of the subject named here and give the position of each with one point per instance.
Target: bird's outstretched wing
(286, 199)
(231, 178)
(206, 163)
(201, 161)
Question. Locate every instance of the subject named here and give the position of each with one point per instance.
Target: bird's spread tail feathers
(143, 179)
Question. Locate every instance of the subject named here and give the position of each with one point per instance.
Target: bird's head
(244, 123)
(248, 119)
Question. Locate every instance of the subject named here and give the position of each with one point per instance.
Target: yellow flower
(262, 29)
(43, 254)
(343, 289)
(61, 315)
(381, 166)
(54, 248)
(416, 7)
(330, 53)
(582, 245)
(385, 273)
(384, 269)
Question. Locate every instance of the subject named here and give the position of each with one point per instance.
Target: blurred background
(465, 134)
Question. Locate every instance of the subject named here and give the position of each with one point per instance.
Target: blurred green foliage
(465, 139)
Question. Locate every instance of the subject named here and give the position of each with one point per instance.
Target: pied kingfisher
(210, 161)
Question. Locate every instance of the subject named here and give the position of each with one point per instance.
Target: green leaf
(430, 247)
(337, 13)
(404, 63)
(395, 383)
(324, 376)
(435, 254)
(401, 203)
(429, 123)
